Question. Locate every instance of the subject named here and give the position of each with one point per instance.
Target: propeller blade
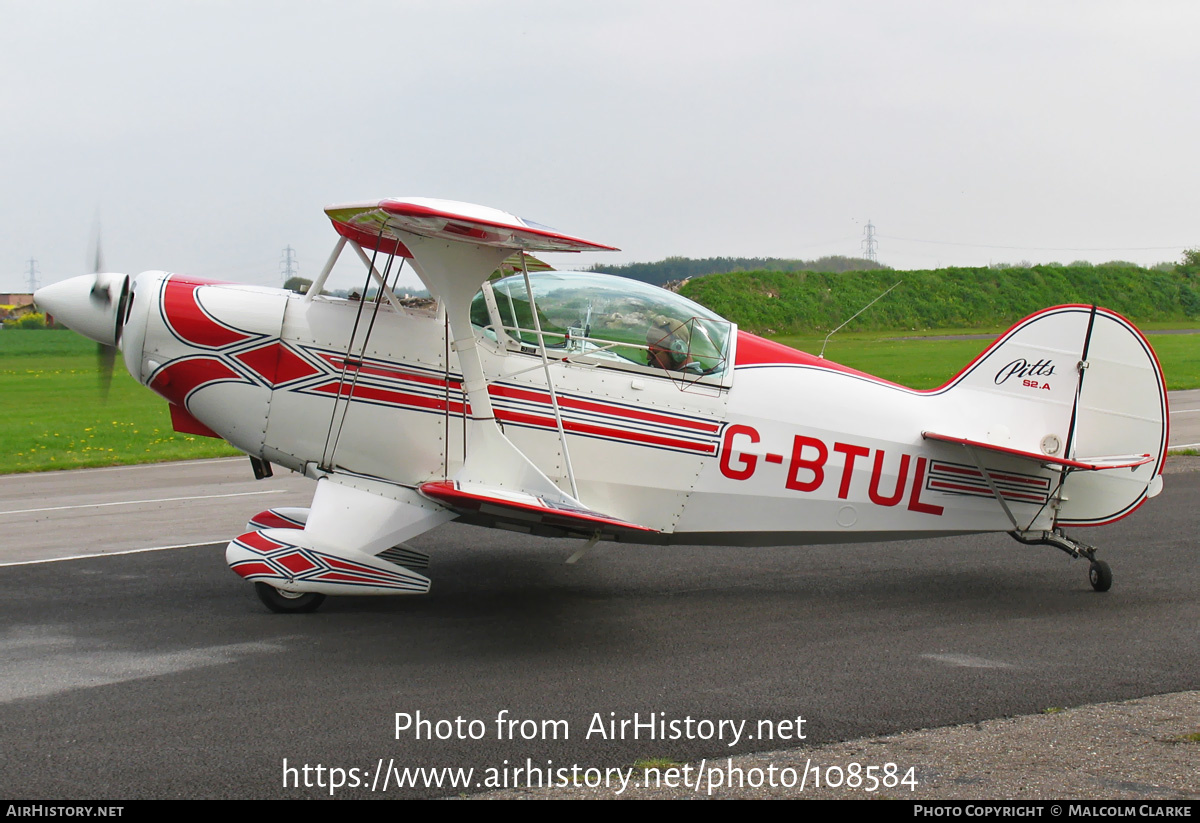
(95, 305)
(106, 356)
(101, 292)
(98, 256)
(122, 310)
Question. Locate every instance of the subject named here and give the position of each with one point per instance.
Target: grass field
(54, 418)
(922, 363)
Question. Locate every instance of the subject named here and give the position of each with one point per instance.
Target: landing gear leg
(1099, 573)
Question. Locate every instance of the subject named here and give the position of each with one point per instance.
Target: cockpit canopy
(607, 321)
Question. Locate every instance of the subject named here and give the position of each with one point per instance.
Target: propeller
(96, 305)
(104, 287)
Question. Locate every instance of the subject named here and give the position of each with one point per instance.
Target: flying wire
(366, 339)
(326, 456)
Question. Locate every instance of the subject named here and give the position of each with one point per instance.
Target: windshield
(607, 319)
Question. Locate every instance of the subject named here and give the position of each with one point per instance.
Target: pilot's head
(667, 340)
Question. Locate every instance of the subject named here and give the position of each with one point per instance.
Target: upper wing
(380, 225)
(454, 247)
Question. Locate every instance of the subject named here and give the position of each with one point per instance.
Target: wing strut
(991, 484)
(319, 283)
(453, 270)
(453, 248)
(314, 289)
(562, 434)
(381, 280)
(344, 395)
(973, 453)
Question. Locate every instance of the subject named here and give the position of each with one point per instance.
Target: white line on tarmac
(136, 502)
(167, 464)
(1183, 446)
(114, 554)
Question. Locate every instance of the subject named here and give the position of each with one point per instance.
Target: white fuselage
(786, 452)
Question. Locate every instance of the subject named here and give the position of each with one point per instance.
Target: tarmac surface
(1144, 749)
(156, 673)
(1185, 419)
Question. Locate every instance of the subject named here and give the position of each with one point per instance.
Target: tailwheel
(283, 602)
(1100, 576)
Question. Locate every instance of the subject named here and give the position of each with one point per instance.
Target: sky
(205, 137)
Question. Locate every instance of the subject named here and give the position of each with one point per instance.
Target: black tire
(1100, 576)
(288, 602)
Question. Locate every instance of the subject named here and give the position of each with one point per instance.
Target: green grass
(791, 302)
(20, 343)
(1179, 355)
(53, 416)
(927, 364)
(918, 364)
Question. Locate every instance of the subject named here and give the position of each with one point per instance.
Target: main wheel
(283, 602)
(1100, 576)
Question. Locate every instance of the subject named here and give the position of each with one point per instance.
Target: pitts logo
(1028, 372)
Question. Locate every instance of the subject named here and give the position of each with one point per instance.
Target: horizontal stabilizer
(506, 506)
(1127, 461)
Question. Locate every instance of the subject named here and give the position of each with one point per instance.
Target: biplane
(586, 406)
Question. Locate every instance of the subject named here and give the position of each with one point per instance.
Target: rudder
(1077, 383)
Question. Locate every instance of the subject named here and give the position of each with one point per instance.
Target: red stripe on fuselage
(753, 350)
(984, 492)
(943, 467)
(604, 431)
(397, 398)
(181, 307)
(181, 378)
(339, 362)
(602, 408)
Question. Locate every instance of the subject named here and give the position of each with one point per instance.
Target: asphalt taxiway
(1185, 419)
(52, 515)
(137, 665)
(158, 674)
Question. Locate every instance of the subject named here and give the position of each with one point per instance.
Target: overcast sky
(208, 136)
